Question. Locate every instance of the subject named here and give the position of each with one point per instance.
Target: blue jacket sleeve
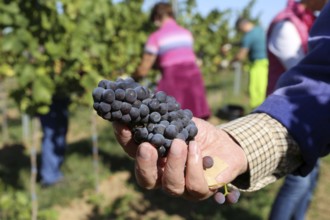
(301, 101)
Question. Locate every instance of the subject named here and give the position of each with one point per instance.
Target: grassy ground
(110, 191)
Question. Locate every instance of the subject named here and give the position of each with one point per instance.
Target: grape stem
(226, 190)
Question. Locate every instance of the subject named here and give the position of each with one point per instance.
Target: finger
(124, 137)
(146, 169)
(196, 184)
(173, 180)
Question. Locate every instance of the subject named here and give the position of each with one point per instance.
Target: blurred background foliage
(63, 48)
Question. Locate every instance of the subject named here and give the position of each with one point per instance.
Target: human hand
(181, 173)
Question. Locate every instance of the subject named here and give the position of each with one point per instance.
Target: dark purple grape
(140, 135)
(178, 124)
(163, 109)
(142, 92)
(185, 133)
(111, 85)
(167, 143)
(97, 94)
(96, 106)
(192, 130)
(151, 127)
(134, 113)
(161, 96)
(164, 117)
(172, 116)
(125, 108)
(188, 113)
(137, 103)
(104, 107)
(116, 105)
(116, 115)
(165, 123)
(157, 140)
(181, 136)
(146, 101)
(103, 83)
(120, 94)
(131, 95)
(145, 119)
(162, 152)
(155, 117)
(108, 96)
(171, 132)
(107, 116)
(126, 118)
(144, 110)
(153, 105)
(207, 162)
(159, 129)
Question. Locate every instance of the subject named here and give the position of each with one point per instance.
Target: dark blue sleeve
(301, 101)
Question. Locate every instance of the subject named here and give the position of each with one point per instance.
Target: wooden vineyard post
(33, 159)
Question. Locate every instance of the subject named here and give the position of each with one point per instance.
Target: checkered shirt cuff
(270, 150)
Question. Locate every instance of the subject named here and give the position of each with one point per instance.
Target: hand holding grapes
(181, 172)
(153, 129)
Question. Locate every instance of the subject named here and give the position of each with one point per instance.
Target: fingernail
(144, 153)
(193, 150)
(176, 149)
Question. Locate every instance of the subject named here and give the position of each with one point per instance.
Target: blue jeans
(294, 197)
(54, 126)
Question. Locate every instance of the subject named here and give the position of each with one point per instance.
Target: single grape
(96, 106)
(233, 196)
(172, 116)
(103, 83)
(140, 134)
(192, 131)
(165, 123)
(144, 110)
(107, 116)
(142, 92)
(154, 105)
(97, 94)
(111, 85)
(171, 132)
(162, 152)
(125, 108)
(134, 112)
(145, 119)
(155, 117)
(116, 115)
(159, 129)
(104, 107)
(219, 198)
(161, 96)
(207, 162)
(167, 143)
(131, 95)
(178, 125)
(116, 105)
(157, 140)
(185, 133)
(151, 127)
(137, 103)
(108, 96)
(180, 136)
(163, 109)
(126, 118)
(120, 94)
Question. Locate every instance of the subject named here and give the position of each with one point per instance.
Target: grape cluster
(152, 117)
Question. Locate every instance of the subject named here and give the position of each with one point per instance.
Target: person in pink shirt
(171, 48)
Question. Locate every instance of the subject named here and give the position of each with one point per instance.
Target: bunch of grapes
(152, 117)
